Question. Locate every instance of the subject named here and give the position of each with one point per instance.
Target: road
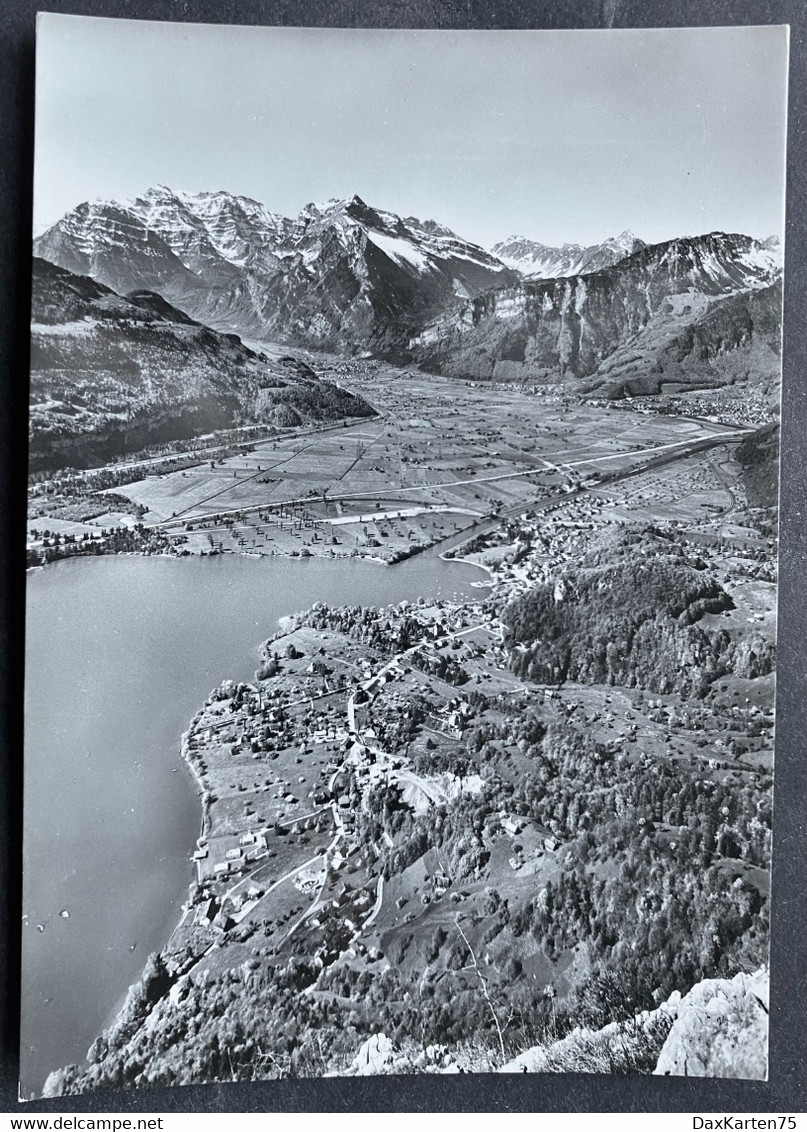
(151, 461)
(316, 902)
(663, 452)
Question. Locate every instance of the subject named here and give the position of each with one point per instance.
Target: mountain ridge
(229, 262)
(632, 312)
(535, 260)
(112, 374)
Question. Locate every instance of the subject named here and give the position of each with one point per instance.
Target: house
(224, 921)
(440, 883)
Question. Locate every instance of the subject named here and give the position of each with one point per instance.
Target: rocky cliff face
(111, 375)
(616, 324)
(342, 275)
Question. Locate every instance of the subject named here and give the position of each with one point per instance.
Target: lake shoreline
(319, 553)
(287, 624)
(234, 583)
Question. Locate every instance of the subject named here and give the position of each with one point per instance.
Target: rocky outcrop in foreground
(379, 1055)
(721, 1030)
(718, 1029)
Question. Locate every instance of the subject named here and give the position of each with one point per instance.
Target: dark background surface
(786, 1090)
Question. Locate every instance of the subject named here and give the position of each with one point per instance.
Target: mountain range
(343, 276)
(701, 310)
(538, 261)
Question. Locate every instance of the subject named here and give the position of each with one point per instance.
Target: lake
(120, 654)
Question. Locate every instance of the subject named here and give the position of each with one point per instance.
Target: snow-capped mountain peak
(347, 275)
(230, 262)
(535, 260)
(625, 241)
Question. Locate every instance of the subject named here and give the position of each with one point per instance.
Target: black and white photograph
(402, 552)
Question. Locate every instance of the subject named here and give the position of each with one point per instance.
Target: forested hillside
(628, 614)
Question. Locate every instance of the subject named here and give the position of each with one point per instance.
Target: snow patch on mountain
(401, 250)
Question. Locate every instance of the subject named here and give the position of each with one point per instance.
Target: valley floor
(442, 457)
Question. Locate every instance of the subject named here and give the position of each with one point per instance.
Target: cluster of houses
(515, 826)
(715, 405)
(451, 719)
(222, 915)
(250, 848)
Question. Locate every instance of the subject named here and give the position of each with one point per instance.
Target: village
(355, 711)
(309, 719)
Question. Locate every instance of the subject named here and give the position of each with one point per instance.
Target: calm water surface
(120, 654)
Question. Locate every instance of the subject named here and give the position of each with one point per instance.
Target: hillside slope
(111, 375)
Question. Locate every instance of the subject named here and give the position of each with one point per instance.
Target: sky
(559, 136)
